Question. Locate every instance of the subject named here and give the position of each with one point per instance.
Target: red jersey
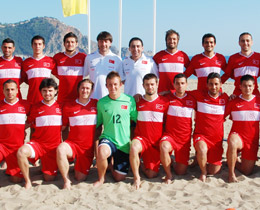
(202, 65)
(210, 115)
(36, 70)
(150, 119)
(169, 66)
(46, 120)
(12, 123)
(240, 65)
(69, 71)
(179, 117)
(82, 120)
(10, 69)
(245, 115)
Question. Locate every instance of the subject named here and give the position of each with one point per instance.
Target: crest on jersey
(179, 58)
(189, 102)
(144, 62)
(222, 101)
(78, 61)
(111, 61)
(255, 62)
(58, 110)
(218, 62)
(45, 64)
(93, 109)
(257, 106)
(159, 106)
(123, 106)
(21, 109)
(17, 64)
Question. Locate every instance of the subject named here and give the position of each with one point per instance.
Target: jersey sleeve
(65, 117)
(32, 115)
(99, 114)
(86, 67)
(228, 108)
(228, 71)
(55, 70)
(133, 111)
(186, 60)
(154, 68)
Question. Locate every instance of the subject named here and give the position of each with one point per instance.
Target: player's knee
(48, 178)
(21, 152)
(201, 148)
(134, 149)
(165, 147)
(61, 150)
(80, 177)
(103, 153)
(150, 173)
(118, 177)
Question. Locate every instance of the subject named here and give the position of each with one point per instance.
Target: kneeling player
(45, 118)
(80, 115)
(177, 135)
(209, 131)
(151, 110)
(244, 135)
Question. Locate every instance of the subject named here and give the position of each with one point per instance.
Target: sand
(186, 192)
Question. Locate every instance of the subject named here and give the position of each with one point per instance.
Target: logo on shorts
(197, 139)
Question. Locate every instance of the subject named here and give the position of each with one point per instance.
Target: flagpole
(154, 26)
(89, 37)
(120, 26)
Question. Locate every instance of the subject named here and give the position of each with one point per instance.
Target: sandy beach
(186, 192)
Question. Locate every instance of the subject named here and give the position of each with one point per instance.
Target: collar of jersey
(13, 103)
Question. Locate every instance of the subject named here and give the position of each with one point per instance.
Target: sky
(226, 19)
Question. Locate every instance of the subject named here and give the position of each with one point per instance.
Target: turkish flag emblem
(111, 61)
(144, 62)
(123, 106)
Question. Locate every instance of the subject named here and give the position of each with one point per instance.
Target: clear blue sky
(191, 18)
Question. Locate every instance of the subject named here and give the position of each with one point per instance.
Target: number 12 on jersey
(116, 118)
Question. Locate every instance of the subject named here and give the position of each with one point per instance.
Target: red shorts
(84, 157)
(9, 155)
(150, 154)
(181, 151)
(48, 158)
(215, 149)
(249, 149)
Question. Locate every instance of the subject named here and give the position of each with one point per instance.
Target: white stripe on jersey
(13, 118)
(48, 120)
(210, 108)
(150, 116)
(204, 72)
(179, 111)
(90, 119)
(245, 115)
(171, 67)
(38, 72)
(251, 70)
(10, 73)
(70, 70)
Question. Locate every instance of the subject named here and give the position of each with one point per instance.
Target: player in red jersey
(13, 113)
(244, 111)
(209, 130)
(178, 129)
(10, 66)
(204, 63)
(45, 118)
(80, 115)
(151, 112)
(70, 65)
(242, 63)
(37, 68)
(170, 61)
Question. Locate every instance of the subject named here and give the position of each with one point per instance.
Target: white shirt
(97, 68)
(133, 73)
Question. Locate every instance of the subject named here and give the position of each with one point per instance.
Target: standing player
(151, 113)
(45, 117)
(242, 63)
(115, 111)
(170, 61)
(10, 66)
(100, 63)
(178, 129)
(203, 64)
(244, 135)
(37, 68)
(209, 130)
(80, 115)
(135, 67)
(70, 66)
(12, 125)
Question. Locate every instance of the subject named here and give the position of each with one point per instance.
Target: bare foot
(28, 185)
(203, 177)
(168, 179)
(232, 178)
(67, 185)
(98, 183)
(137, 183)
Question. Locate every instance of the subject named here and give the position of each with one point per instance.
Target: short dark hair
(68, 35)
(112, 75)
(136, 39)
(87, 81)
(150, 76)
(213, 75)
(247, 77)
(209, 35)
(180, 75)
(8, 40)
(37, 37)
(170, 32)
(48, 82)
(10, 81)
(245, 33)
(104, 35)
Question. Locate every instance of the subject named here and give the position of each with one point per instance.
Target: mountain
(52, 30)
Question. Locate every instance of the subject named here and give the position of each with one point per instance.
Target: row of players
(71, 66)
(85, 118)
